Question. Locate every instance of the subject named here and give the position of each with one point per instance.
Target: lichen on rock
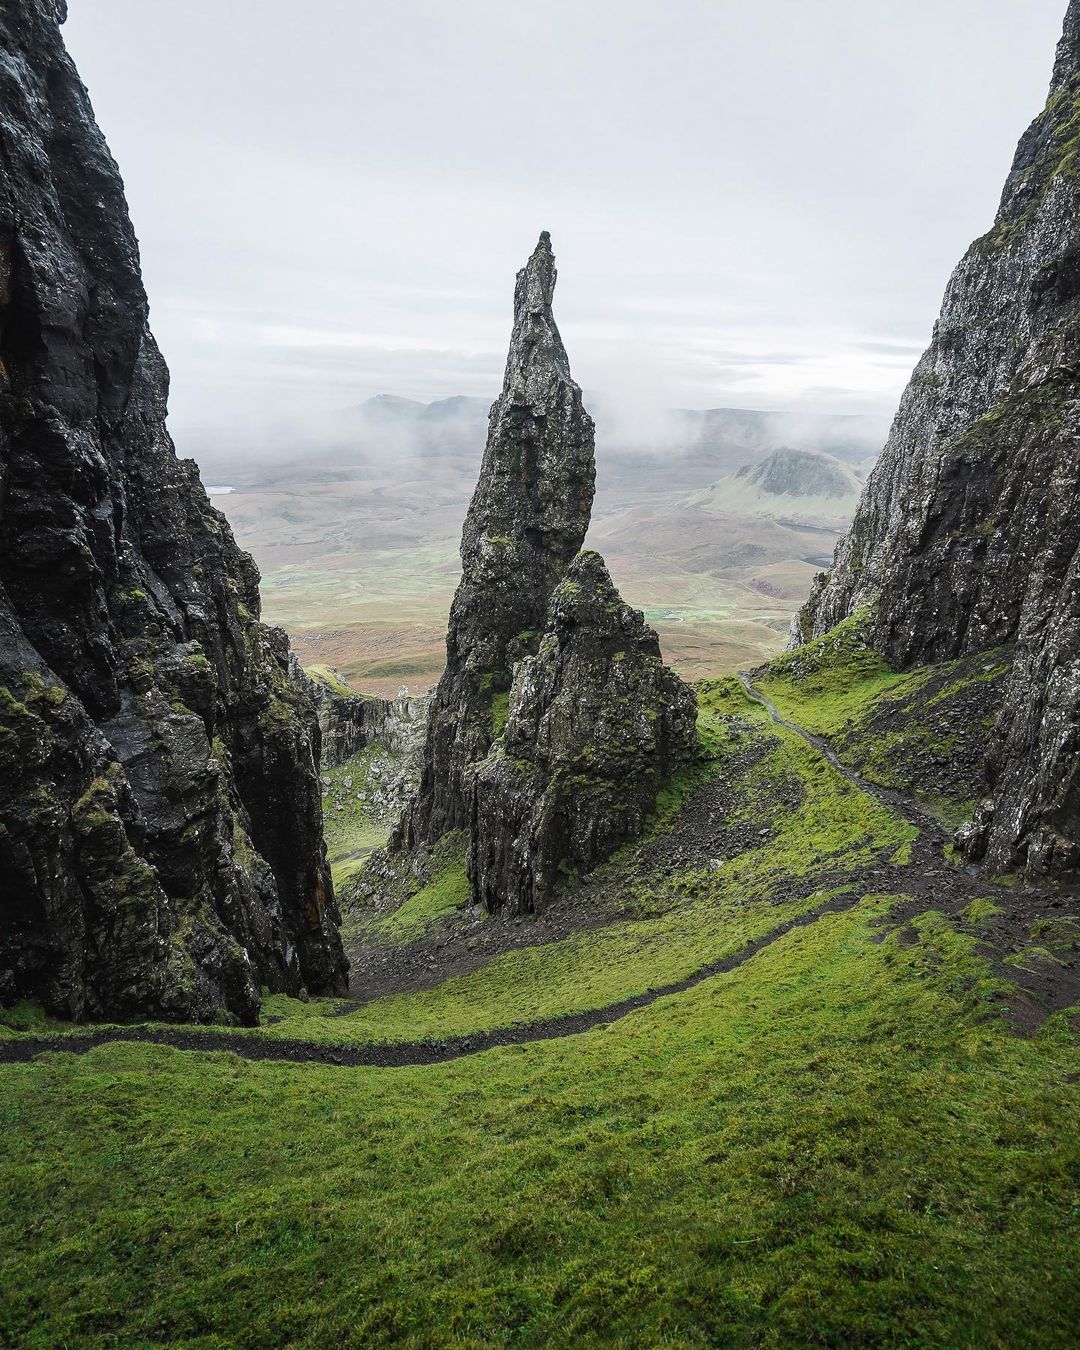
(161, 844)
(596, 724)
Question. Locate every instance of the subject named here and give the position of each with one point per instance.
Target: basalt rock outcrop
(351, 723)
(526, 522)
(161, 844)
(556, 721)
(596, 723)
(968, 532)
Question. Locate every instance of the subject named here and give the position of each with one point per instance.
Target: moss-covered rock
(161, 851)
(595, 725)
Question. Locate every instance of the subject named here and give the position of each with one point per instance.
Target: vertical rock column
(526, 522)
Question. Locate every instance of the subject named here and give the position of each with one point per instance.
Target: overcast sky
(752, 204)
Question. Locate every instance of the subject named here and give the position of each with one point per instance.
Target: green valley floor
(784, 1073)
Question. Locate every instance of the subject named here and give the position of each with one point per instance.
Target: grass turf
(837, 1144)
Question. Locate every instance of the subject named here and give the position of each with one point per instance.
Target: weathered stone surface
(596, 724)
(349, 724)
(526, 522)
(967, 536)
(160, 824)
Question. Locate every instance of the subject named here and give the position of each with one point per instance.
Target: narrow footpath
(927, 880)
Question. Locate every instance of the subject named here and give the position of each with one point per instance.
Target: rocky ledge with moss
(967, 538)
(596, 725)
(161, 840)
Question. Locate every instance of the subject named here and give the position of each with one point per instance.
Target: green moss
(445, 893)
(38, 690)
(837, 1144)
(500, 711)
(979, 911)
(96, 807)
(828, 683)
(10, 706)
(329, 677)
(26, 1016)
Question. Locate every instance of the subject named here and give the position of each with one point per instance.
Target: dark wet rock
(160, 824)
(526, 522)
(596, 725)
(968, 533)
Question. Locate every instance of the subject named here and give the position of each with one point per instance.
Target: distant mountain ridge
(723, 432)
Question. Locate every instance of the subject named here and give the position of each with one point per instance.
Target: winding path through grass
(406, 1054)
(894, 801)
(927, 881)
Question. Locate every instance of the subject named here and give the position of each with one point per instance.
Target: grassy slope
(838, 1143)
(833, 1145)
(922, 731)
(675, 926)
(356, 829)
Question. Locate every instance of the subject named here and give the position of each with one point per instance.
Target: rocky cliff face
(967, 535)
(349, 724)
(160, 827)
(596, 723)
(527, 520)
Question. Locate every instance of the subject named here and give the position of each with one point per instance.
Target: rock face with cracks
(968, 533)
(596, 724)
(526, 523)
(161, 844)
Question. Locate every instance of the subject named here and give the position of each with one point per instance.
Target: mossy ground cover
(837, 1144)
(828, 684)
(353, 828)
(447, 892)
(924, 731)
(806, 819)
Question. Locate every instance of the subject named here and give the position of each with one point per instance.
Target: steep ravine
(161, 841)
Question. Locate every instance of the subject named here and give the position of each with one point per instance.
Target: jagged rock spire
(596, 724)
(526, 522)
(967, 536)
